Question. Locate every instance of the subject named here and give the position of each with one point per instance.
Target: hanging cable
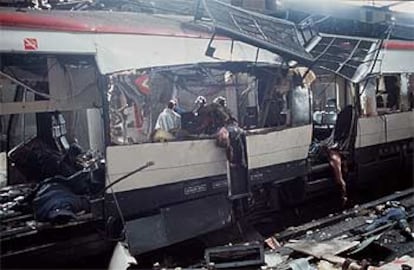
(22, 84)
(28, 88)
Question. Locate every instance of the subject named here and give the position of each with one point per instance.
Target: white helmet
(200, 100)
(220, 100)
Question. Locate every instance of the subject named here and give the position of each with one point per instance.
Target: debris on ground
(372, 236)
(232, 256)
(319, 249)
(347, 241)
(404, 263)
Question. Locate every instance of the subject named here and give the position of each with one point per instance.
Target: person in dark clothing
(233, 139)
(335, 147)
(56, 203)
(393, 90)
(229, 134)
(215, 116)
(388, 213)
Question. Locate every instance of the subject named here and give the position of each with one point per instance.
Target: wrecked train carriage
(351, 70)
(277, 117)
(50, 115)
(54, 93)
(191, 174)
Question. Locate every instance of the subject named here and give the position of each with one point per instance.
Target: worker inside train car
(169, 120)
(214, 116)
(168, 123)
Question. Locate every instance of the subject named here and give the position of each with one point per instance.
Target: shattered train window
(138, 98)
(128, 107)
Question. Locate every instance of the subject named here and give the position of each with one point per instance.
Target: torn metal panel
(349, 57)
(278, 36)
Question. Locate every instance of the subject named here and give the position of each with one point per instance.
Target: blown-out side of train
(101, 80)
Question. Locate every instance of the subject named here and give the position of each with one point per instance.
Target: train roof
(130, 40)
(120, 40)
(104, 22)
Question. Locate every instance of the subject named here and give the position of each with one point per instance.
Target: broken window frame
(36, 103)
(194, 89)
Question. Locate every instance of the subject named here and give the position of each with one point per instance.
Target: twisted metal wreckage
(97, 80)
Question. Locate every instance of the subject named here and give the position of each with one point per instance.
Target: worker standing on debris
(168, 119)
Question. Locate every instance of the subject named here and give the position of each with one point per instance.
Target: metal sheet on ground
(320, 249)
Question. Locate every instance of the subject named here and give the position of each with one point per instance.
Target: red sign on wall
(30, 44)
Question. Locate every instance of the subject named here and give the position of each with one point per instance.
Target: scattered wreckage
(347, 240)
(370, 236)
(100, 79)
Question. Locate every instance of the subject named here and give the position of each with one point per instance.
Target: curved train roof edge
(104, 22)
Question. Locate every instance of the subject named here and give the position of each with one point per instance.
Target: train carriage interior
(259, 97)
(379, 101)
(52, 145)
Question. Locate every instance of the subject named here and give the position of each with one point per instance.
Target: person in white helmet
(220, 100)
(214, 116)
(200, 103)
